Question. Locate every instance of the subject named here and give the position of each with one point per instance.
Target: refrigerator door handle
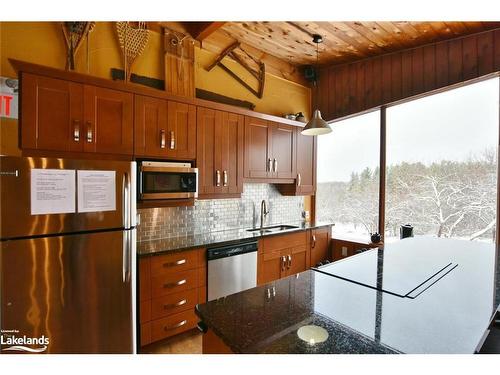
(126, 200)
(125, 251)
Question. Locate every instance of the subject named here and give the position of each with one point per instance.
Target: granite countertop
(181, 243)
(418, 295)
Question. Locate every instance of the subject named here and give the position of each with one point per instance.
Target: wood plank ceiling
(343, 41)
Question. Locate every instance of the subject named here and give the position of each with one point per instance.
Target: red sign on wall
(9, 98)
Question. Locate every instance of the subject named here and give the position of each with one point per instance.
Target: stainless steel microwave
(165, 180)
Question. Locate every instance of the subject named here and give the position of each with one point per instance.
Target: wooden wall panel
(372, 82)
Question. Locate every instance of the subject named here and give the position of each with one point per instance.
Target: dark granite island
(418, 295)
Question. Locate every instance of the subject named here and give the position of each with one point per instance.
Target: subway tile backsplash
(219, 214)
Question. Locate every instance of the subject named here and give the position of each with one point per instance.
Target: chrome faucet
(263, 212)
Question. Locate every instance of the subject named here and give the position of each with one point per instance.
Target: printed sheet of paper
(96, 191)
(52, 191)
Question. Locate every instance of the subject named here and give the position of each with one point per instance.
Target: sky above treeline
(453, 125)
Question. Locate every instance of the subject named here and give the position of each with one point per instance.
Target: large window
(348, 176)
(441, 174)
(441, 167)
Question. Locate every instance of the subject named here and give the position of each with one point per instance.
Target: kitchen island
(418, 295)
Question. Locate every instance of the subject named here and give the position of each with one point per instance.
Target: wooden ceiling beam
(201, 30)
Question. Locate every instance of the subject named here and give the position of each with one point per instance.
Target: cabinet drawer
(173, 324)
(172, 263)
(284, 241)
(174, 303)
(173, 283)
(145, 312)
(145, 334)
(144, 279)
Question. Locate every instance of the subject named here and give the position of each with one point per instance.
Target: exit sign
(9, 99)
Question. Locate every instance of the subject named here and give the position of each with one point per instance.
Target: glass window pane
(441, 176)
(348, 176)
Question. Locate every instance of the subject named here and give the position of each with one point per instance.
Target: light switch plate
(344, 251)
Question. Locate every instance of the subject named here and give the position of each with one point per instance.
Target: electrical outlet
(344, 251)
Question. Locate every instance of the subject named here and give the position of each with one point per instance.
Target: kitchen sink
(271, 229)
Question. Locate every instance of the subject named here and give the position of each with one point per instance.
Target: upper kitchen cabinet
(305, 178)
(150, 127)
(181, 137)
(282, 151)
(109, 126)
(164, 129)
(51, 114)
(219, 153)
(257, 141)
(58, 115)
(269, 150)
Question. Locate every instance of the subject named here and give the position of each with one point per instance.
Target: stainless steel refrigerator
(67, 255)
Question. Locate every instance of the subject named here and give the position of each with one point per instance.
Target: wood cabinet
(320, 245)
(164, 129)
(109, 122)
(282, 255)
(343, 248)
(170, 286)
(270, 150)
(59, 115)
(305, 178)
(219, 154)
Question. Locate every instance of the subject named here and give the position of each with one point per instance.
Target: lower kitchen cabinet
(170, 286)
(281, 256)
(320, 245)
(343, 248)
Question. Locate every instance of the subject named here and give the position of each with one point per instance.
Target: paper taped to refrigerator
(52, 191)
(96, 191)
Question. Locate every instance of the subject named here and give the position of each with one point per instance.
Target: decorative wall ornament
(133, 41)
(74, 35)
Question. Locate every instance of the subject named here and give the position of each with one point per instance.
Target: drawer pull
(177, 283)
(217, 178)
(299, 179)
(283, 263)
(225, 178)
(178, 325)
(275, 165)
(176, 263)
(289, 261)
(90, 136)
(172, 140)
(313, 241)
(177, 304)
(269, 165)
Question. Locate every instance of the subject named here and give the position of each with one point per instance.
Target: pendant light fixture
(316, 125)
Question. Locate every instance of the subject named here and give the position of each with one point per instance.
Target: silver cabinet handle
(176, 263)
(173, 285)
(289, 261)
(225, 178)
(90, 136)
(217, 178)
(175, 326)
(269, 165)
(283, 263)
(299, 179)
(313, 241)
(275, 165)
(162, 138)
(76, 130)
(177, 304)
(172, 140)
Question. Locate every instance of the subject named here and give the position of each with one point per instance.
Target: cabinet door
(282, 151)
(108, 124)
(306, 164)
(257, 141)
(320, 245)
(231, 139)
(272, 267)
(150, 127)
(208, 126)
(51, 114)
(297, 260)
(181, 138)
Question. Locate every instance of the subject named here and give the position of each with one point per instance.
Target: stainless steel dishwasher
(231, 269)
